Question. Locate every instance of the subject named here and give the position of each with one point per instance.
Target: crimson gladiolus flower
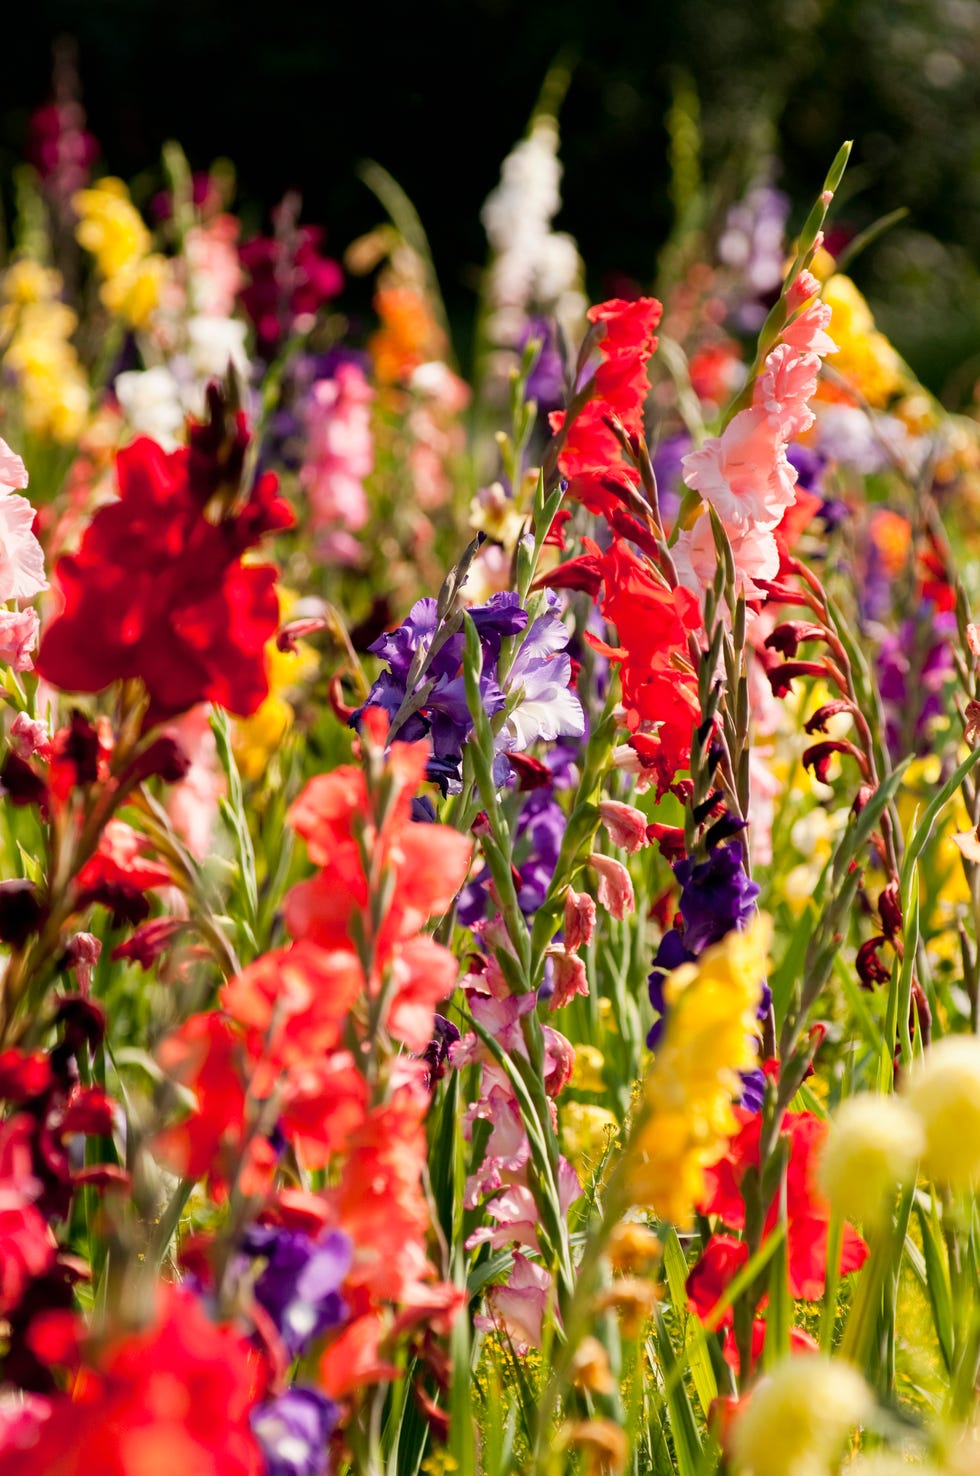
(591, 457)
(158, 589)
(807, 1212)
(175, 1396)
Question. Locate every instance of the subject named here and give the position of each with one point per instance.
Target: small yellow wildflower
(587, 1133)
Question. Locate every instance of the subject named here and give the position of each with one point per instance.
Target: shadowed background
(671, 110)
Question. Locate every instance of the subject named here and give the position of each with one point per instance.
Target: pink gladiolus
(21, 559)
(569, 975)
(627, 826)
(340, 451)
(615, 886)
(518, 1308)
(744, 473)
(18, 637)
(579, 920)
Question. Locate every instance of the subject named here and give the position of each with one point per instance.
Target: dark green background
(296, 93)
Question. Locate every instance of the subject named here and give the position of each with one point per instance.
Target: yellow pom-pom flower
(872, 1146)
(943, 1090)
(797, 1419)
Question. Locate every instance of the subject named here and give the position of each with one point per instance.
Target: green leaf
(699, 1357)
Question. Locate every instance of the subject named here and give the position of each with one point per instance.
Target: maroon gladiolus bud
(83, 1019)
(818, 722)
(781, 677)
(580, 573)
(871, 970)
(287, 635)
(788, 637)
(21, 784)
(634, 530)
(531, 772)
(817, 757)
(670, 839)
(920, 1015)
(163, 759)
(865, 792)
(103, 1177)
(150, 940)
(80, 745)
(21, 911)
(890, 911)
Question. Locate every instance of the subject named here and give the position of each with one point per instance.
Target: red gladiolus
(591, 457)
(173, 1397)
(807, 1212)
(659, 684)
(158, 589)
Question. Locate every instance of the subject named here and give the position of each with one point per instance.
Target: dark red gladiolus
(158, 589)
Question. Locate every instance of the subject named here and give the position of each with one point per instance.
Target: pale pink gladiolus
(803, 286)
(615, 891)
(18, 637)
(21, 559)
(29, 736)
(216, 275)
(627, 826)
(744, 473)
(559, 1060)
(579, 920)
(754, 551)
(807, 333)
(784, 388)
(340, 450)
(569, 976)
(518, 1307)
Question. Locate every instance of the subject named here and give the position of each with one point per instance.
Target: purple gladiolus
(300, 1284)
(293, 1432)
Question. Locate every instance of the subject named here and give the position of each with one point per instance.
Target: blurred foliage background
(671, 111)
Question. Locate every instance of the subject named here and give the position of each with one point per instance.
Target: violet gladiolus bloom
(293, 1432)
